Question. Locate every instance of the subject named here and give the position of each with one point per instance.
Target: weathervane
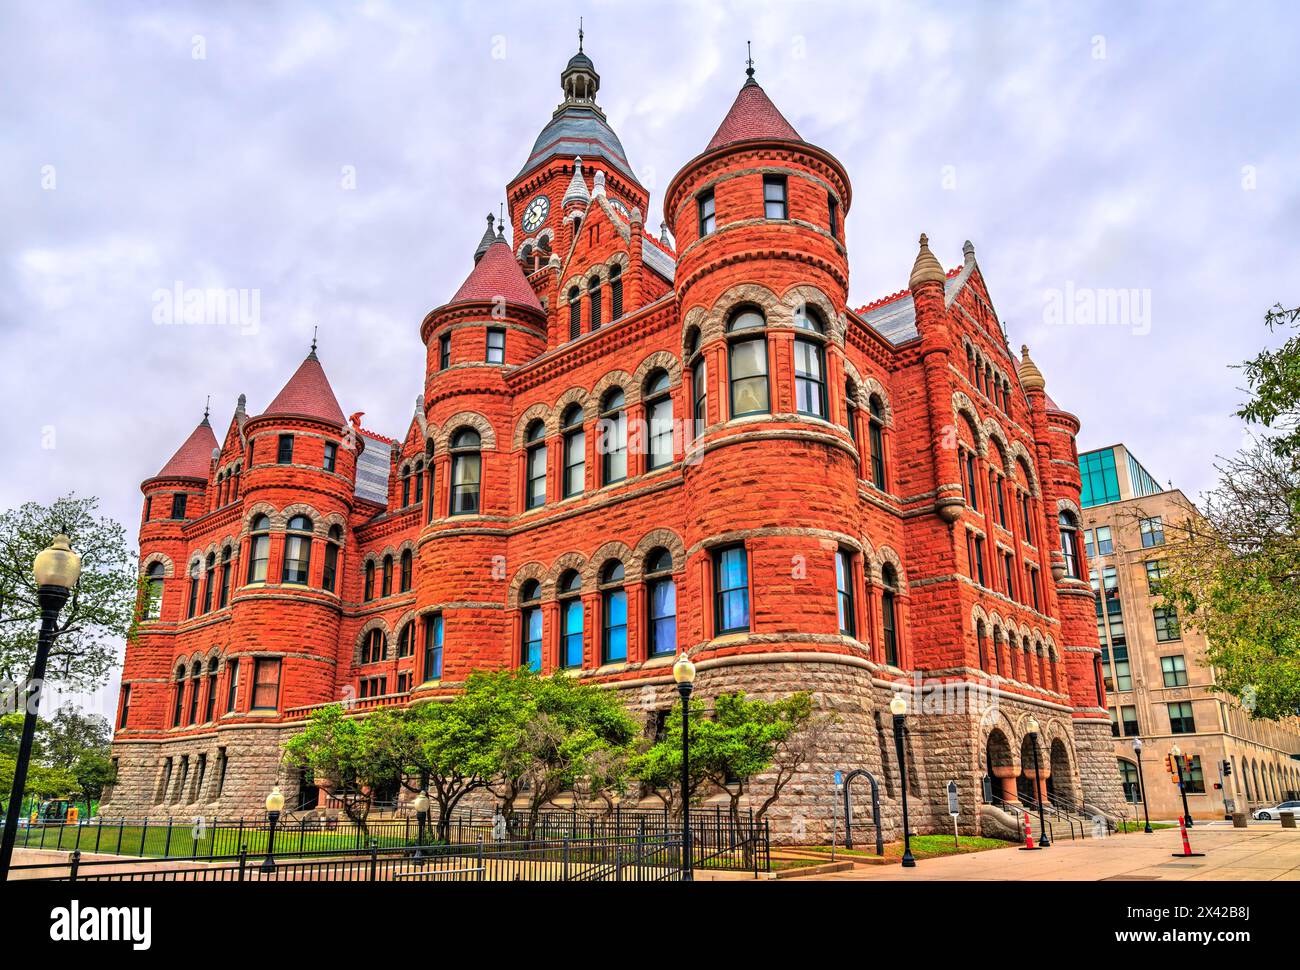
(579, 35)
(313, 341)
(749, 61)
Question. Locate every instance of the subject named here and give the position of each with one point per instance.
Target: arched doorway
(1001, 766)
(1060, 783)
(1128, 778)
(1025, 783)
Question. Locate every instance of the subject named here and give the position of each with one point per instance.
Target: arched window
(659, 418)
(575, 451)
(466, 472)
(613, 437)
(851, 410)
(369, 592)
(259, 549)
(747, 361)
(1128, 778)
(297, 550)
(153, 591)
(374, 647)
(1028, 653)
(196, 577)
(433, 646)
(404, 579)
(982, 645)
(223, 599)
(196, 688)
(406, 641)
(209, 580)
(570, 594)
(661, 595)
(593, 299)
(845, 605)
(329, 575)
(535, 461)
(877, 434)
(998, 651)
(530, 647)
(178, 702)
(699, 386)
(575, 313)
(406, 485)
(615, 292)
(211, 706)
(1042, 665)
(613, 599)
(386, 584)
(418, 473)
(1069, 543)
(809, 365)
(889, 612)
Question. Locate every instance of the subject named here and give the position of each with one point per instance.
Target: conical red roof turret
(308, 394)
(497, 276)
(752, 116)
(193, 458)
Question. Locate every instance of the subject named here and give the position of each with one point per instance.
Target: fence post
(564, 854)
(480, 858)
(213, 832)
(74, 861)
(374, 858)
(167, 846)
(121, 828)
(143, 829)
(99, 833)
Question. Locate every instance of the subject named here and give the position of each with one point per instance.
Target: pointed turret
(576, 194)
(926, 269)
(497, 276)
(1031, 378)
(489, 237)
(752, 117)
(307, 395)
(192, 459)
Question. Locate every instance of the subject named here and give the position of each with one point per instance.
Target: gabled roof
(497, 276)
(308, 394)
(194, 457)
(752, 116)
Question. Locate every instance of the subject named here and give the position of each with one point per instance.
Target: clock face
(536, 212)
(621, 209)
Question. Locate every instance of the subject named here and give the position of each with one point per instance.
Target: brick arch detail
(660, 359)
(613, 549)
(169, 568)
(1021, 453)
(805, 294)
(538, 412)
(301, 508)
(962, 406)
(614, 378)
(869, 386)
(258, 508)
(655, 538)
(530, 570)
(887, 555)
(374, 623)
(563, 563)
(466, 419)
(715, 319)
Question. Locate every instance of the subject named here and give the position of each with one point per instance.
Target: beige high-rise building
(1158, 682)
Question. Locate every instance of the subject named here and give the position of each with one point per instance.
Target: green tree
(70, 735)
(658, 767)
(1273, 377)
(555, 734)
(98, 614)
(340, 752)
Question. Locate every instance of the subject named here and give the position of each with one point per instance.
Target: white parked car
(1269, 814)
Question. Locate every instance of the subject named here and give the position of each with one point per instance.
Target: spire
(577, 190)
(579, 35)
(307, 395)
(752, 116)
(579, 79)
(926, 269)
(193, 458)
(489, 237)
(311, 355)
(749, 62)
(1031, 378)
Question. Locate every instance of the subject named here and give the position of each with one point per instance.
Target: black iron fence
(212, 838)
(648, 858)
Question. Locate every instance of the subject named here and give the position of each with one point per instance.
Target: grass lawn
(923, 847)
(1154, 826)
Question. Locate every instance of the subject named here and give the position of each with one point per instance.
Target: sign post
(835, 812)
(953, 810)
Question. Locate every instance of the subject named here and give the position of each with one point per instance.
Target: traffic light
(1227, 768)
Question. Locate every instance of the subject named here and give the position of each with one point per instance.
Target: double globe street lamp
(57, 570)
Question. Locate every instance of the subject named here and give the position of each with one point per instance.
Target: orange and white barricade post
(1187, 852)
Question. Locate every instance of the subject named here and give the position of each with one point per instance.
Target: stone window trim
(390, 642)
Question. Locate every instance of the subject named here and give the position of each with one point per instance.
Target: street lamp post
(1043, 840)
(1142, 785)
(56, 569)
(421, 806)
(1177, 752)
(684, 674)
(274, 803)
(898, 707)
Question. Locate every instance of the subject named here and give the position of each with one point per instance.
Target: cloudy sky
(338, 160)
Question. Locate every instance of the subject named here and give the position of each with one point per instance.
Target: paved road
(1259, 853)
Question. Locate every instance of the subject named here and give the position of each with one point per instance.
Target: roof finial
(207, 406)
(579, 35)
(312, 355)
(749, 61)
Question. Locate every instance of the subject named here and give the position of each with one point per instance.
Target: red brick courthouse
(630, 444)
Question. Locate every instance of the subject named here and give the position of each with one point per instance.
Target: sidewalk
(1258, 853)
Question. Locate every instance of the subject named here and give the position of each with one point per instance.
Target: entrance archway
(1060, 783)
(1001, 766)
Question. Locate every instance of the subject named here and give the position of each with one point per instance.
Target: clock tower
(577, 143)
